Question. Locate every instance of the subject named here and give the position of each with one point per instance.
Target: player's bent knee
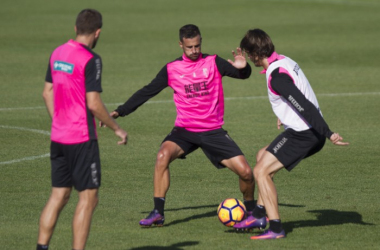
(259, 171)
(246, 175)
(163, 157)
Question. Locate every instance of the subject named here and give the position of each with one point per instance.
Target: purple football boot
(268, 235)
(153, 218)
(251, 222)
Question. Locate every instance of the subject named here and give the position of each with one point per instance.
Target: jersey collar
(186, 59)
(272, 58)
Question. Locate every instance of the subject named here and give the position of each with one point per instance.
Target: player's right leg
(86, 174)
(264, 170)
(60, 194)
(169, 151)
(49, 216)
(256, 218)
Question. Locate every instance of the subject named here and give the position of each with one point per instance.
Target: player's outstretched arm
(240, 60)
(98, 109)
(337, 140)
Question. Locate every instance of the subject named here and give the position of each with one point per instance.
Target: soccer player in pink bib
(196, 80)
(72, 97)
(296, 106)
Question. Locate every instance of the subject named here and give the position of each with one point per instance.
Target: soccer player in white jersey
(297, 109)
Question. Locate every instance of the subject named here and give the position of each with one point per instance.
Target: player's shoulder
(87, 50)
(211, 57)
(179, 59)
(208, 55)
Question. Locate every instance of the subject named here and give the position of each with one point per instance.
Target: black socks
(275, 226)
(259, 212)
(159, 204)
(249, 205)
(42, 247)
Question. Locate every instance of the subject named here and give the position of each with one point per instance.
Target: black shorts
(290, 147)
(75, 165)
(216, 144)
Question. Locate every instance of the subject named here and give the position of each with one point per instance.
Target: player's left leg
(223, 152)
(49, 216)
(264, 170)
(88, 199)
(257, 219)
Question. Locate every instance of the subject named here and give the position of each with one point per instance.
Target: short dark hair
(188, 31)
(88, 21)
(257, 43)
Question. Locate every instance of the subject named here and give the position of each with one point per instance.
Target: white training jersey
(288, 110)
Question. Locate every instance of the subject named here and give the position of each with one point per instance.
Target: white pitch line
(336, 2)
(22, 108)
(38, 131)
(25, 159)
(226, 98)
(350, 94)
(30, 157)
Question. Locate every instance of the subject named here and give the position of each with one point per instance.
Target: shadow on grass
(177, 246)
(194, 217)
(327, 218)
(290, 205)
(204, 215)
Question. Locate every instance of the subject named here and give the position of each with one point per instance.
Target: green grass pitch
(330, 201)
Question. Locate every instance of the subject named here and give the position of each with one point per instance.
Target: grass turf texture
(329, 201)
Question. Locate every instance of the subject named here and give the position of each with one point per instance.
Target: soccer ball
(231, 211)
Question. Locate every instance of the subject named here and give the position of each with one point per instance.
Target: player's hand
(113, 114)
(279, 123)
(123, 135)
(337, 140)
(240, 60)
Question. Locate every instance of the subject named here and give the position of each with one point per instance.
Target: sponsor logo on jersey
(296, 69)
(205, 72)
(63, 67)
(295, 103)
(196, 89)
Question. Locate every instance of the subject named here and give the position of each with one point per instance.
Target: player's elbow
(44, 95)
(47, 94)
(93, 107)
(93, 102)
